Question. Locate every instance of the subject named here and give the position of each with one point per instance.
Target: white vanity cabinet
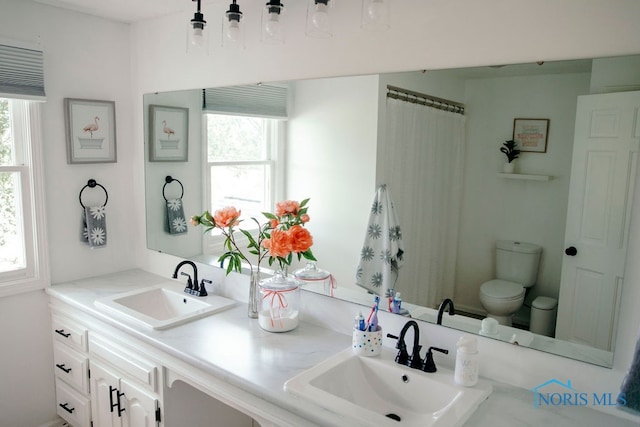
(124, 386)
(71, 370)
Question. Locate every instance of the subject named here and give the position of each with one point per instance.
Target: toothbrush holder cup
(367, 343)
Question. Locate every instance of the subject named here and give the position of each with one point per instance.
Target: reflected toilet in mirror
(516, 271)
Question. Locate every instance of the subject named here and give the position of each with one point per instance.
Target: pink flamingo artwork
(92, 127)
(167, 130)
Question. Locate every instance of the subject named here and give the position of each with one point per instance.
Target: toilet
(516, 270)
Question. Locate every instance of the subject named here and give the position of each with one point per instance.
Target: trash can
(543, 316)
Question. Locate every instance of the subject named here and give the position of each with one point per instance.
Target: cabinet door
(140, 407)
(104, 394)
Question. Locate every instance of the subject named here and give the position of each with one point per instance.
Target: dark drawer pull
(61, 366)
(61, 332)
(64, 406)
(111, 404)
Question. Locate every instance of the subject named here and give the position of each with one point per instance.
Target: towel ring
(168, 180)
(92, 184)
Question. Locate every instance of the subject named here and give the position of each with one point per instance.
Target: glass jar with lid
(316, 279)
(279, 303)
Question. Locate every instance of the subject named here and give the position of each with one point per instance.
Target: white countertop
(232, 347)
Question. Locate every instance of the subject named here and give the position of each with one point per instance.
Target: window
(19, 261)
(243, 164)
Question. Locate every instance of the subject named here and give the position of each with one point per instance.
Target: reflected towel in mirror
(176, 221)
(382, 252)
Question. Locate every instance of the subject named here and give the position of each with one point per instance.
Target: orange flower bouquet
(281, 236)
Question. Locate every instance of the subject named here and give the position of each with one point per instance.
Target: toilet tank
(517, 262)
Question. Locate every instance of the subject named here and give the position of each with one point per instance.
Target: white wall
(88, 58)
(331, 157)
(500, 209)
(26, 361)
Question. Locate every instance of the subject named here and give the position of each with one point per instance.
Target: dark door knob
(571, 251)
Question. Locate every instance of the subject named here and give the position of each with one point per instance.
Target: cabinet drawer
(72, 406)
(69, 333)
(135, 367)
(71, 366)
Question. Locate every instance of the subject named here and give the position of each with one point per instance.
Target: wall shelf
(526, 177)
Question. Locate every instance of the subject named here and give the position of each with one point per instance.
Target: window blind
(252, 100)
(21, 72)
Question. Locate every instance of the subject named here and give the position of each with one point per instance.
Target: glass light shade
(375, 15)
(232, 33)
(197, 40)
(319, 19)
(272, 27)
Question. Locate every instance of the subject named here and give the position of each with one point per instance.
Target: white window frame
(27, 136)
(276, 134)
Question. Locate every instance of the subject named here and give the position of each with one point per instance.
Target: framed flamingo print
(168, 134)
(91, 131)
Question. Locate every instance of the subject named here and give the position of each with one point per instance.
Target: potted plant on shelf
(509, 149)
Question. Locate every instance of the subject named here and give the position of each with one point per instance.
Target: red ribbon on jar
(279, 296)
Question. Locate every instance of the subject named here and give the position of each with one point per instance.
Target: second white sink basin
(162, 306)
(376, 391)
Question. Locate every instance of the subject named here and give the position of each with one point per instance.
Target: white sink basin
(376, 391)
(162, 306)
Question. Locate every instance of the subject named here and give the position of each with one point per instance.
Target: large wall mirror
(341, 143)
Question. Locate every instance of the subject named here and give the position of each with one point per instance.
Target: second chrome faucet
(414, 361)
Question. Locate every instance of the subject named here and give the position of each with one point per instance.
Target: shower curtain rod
(423, 99)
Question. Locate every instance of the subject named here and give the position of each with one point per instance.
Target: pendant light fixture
(319, 19)
(197, 38)
(272, 28)
(232, 34)
(375, 15)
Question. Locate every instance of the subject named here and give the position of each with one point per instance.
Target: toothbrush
(372, 320)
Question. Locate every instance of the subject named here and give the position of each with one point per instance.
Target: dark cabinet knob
(571, 251)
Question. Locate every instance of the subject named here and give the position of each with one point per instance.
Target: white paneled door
(603, 171)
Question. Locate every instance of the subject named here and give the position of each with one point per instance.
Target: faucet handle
(416, 360)
(189, 288)
(402, 357)
(202, 292)
(428, 365)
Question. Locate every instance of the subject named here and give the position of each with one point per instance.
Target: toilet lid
(502, 289)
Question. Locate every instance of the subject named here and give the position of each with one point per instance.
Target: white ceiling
(125, 10)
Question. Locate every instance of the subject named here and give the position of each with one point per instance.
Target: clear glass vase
(254, 294)
(279, 303)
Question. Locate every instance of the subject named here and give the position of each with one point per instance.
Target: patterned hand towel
(176, 221)
(94, 226)
(382, 252)
(629, 397)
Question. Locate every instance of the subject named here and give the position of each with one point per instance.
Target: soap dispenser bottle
(466, 370)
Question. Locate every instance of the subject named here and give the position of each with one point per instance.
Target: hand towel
(629, 397)
(382, 252)
(176, 221)
(94, 226)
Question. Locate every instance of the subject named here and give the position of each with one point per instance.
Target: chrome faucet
(414, 361)
(193, 287)
(443, 305)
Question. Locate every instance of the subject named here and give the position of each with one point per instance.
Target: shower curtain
(421, 161)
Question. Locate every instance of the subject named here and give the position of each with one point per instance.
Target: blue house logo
(556, 393)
